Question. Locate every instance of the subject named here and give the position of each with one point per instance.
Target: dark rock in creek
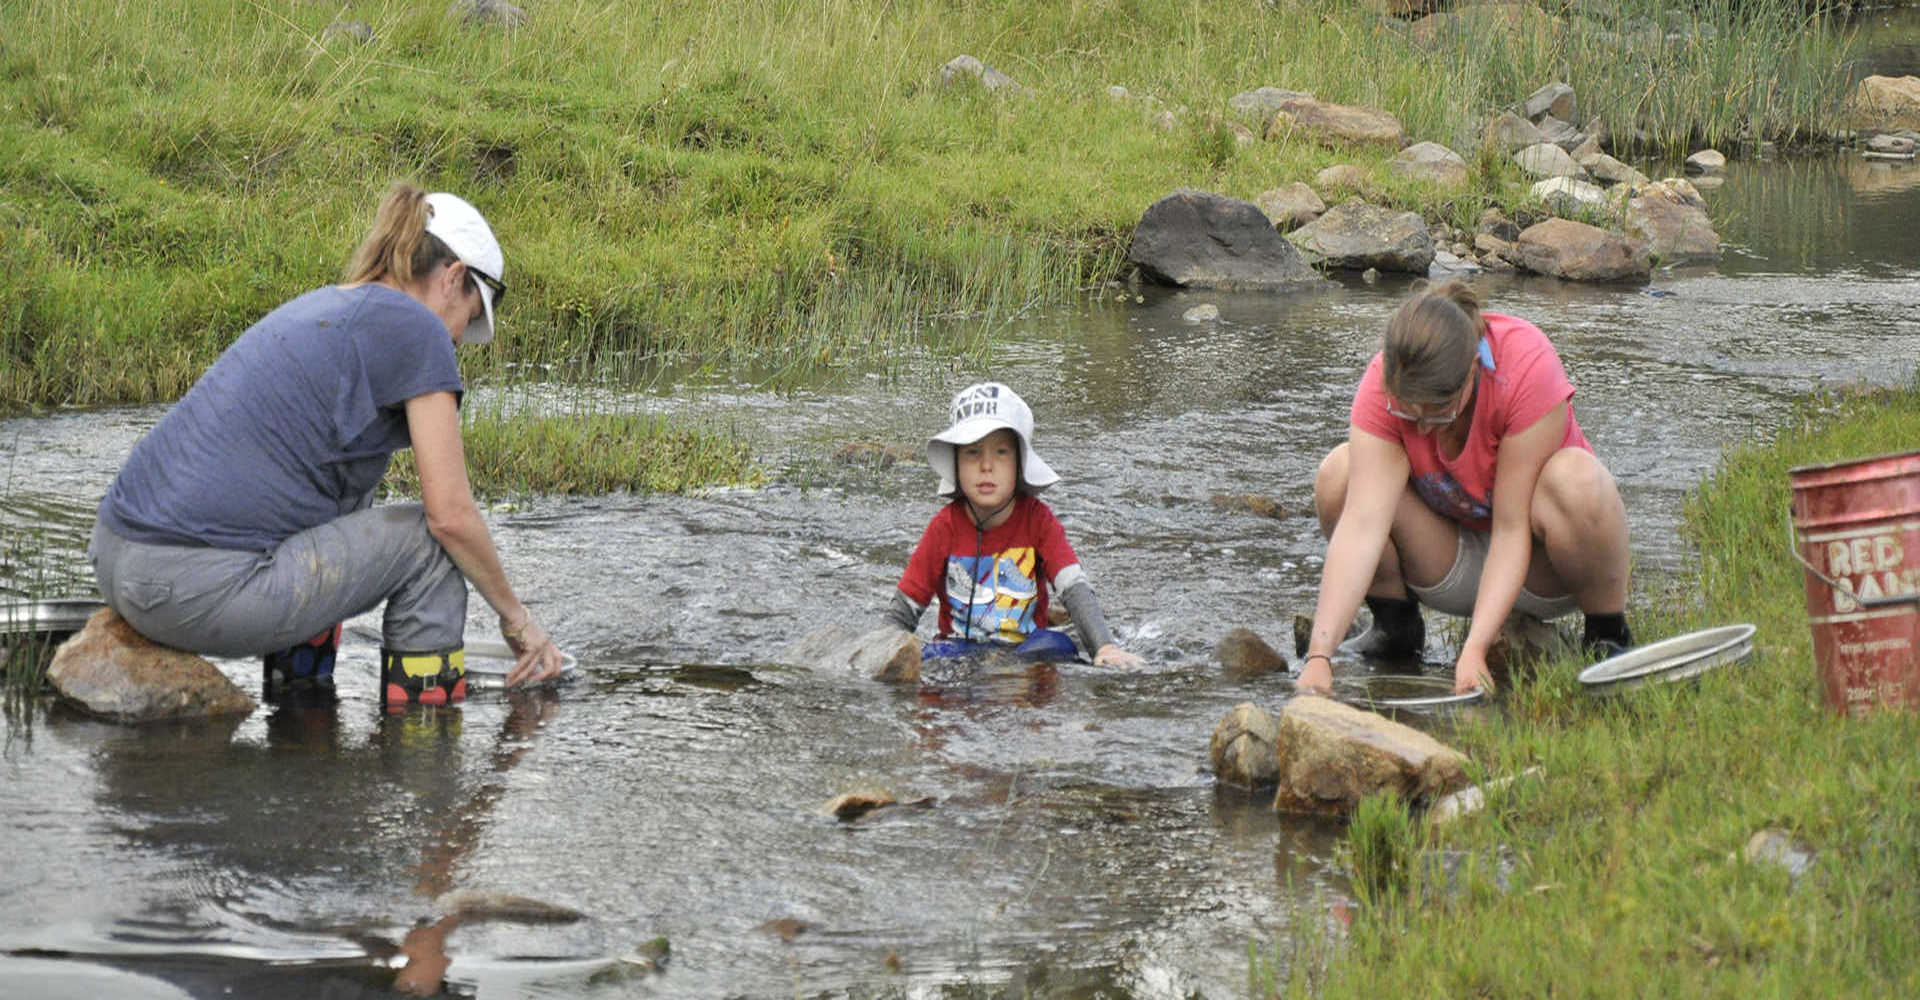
(785, 928)
(1330, 756)
(1197, 239)
(849, 806)
(1242, 748)
(883, 654)
(473, 906)
(1247, 503)
(112, 671)
(1244, 655)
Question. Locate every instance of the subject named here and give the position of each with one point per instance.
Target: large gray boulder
(1197, 239)
(887, 653)
(1357, 235)
(1563, 248)
(114, 672)
(1242, 748)
(1336, 124)
(1329, 756)
(1674, 226)
(1429, 162)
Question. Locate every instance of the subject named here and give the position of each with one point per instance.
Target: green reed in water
(781, 187)
(519, 454)
(1629, 875)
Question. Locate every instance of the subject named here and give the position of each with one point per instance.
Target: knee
(1330, 488)
(1574, 489)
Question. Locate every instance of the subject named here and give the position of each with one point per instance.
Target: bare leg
(1581, 522)
(1420, 546)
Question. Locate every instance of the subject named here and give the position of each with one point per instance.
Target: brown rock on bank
(1330, 756)
(114, 672)
(1563, 248)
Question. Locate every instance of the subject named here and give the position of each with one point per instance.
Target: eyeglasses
(1434, 420)
(494, 285)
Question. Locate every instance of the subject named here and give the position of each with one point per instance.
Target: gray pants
(223, 602)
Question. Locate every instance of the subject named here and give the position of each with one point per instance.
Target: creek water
(1073, 845)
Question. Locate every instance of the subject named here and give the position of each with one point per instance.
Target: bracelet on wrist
(1310, 657)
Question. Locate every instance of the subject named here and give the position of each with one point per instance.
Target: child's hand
(1111, 655)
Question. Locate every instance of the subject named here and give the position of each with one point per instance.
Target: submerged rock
(1247, 503)
(473, 906)
(1330, 756)
(1244, 655)
(849, 806)
(1197, 239)
(112, 671)
(887, 653)
(1206, 312)
(1242, 748)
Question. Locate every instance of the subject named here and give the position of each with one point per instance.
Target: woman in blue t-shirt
(241, 524)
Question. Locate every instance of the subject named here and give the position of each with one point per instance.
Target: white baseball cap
(979, 410)
(461, 227)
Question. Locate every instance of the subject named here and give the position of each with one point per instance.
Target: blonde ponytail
(398, 246)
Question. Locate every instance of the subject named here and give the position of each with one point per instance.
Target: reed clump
(1630, 875)
(777, 187)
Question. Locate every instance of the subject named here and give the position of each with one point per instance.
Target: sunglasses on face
(493, 284)
(1397, 409)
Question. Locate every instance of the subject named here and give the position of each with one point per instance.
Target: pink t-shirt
(1525, 382)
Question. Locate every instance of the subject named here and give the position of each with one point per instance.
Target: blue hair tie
(1486, 354)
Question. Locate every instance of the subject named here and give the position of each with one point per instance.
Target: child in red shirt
(990, 555)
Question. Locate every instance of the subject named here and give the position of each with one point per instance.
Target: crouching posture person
(241, 526)
(1465, 485)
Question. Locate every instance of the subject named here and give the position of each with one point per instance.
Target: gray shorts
(223, 602)
(1456, 592)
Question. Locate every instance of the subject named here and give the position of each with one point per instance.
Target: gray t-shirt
(290, 428)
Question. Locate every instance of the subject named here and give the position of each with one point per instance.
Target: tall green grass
(774, 186)
(1628, 876)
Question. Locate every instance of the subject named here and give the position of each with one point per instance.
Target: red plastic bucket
(1858, 536)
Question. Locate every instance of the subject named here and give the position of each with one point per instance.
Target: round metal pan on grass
(1672, 659)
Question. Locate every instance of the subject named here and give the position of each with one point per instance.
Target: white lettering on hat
(979, 401)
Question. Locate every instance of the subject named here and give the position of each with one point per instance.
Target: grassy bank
(1623, 864)
(766, 186)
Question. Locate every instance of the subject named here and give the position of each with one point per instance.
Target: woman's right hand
(536, 657)
(1316, 675)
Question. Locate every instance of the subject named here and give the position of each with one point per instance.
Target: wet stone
(887, 653)
(1330, 756)
(114, 672)
(1206, 312)
(1244, 655)
(473, 906)
(1247, 503)
(1242, 748)
(849, 806)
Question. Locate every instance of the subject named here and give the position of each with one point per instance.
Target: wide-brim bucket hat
(465, 232)
(979, 410)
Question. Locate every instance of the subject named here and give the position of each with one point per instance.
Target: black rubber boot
(303, 675)
(1606, 636)
(1397, 633)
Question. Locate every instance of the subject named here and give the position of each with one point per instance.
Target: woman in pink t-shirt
(1465, 485)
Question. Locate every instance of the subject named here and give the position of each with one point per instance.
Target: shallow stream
(1074, 845)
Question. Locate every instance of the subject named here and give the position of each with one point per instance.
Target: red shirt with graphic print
(1001, 574)
(1524, 384)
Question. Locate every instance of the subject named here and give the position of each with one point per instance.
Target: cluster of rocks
(1612, 222)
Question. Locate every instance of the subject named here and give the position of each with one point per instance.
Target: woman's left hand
(1470, 672)
(1111, 655)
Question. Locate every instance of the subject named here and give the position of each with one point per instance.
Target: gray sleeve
(903, 612)
(1085, 609)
